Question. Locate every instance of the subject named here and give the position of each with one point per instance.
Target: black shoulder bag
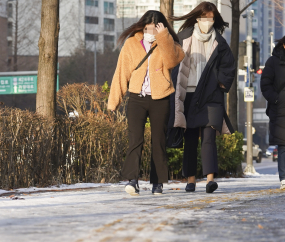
(147, 55)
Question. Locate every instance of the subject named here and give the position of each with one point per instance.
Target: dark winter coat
(207, 105)
(272, 87)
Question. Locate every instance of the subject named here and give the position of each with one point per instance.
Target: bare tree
(166, 7)
(48, 56)
(279, 6)
(22, 30)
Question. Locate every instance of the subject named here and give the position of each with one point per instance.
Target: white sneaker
(282, 187)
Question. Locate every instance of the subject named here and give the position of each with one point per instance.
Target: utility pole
(249, 167)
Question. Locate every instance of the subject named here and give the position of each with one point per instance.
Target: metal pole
(271, 43)
(249, 167)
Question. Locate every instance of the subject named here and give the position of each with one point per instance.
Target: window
(108, 8)
(91, 20)
(10, 29)
(91, 37)
(187, 8)
(109, 24)
(10, 10)
(109, 41)
(92, 3)
(109, 38)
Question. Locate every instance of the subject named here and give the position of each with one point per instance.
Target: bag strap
(147, 55)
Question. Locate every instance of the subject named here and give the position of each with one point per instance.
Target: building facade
(82, 24)
(130, 11)
(3, 39)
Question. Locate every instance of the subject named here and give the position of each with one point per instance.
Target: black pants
(208, 147)
(139, 108)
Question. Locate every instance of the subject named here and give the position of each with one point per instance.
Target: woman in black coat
(201, 80)
(272, 87)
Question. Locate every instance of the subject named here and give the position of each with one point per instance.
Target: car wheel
(258, 158)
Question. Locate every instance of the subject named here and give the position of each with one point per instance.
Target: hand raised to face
(159, 27)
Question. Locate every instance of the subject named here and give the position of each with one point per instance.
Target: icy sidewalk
(242, 209)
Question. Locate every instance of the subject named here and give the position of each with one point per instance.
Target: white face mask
(149, 37)
(205, 26)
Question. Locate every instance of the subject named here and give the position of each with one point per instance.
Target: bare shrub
(86, 148)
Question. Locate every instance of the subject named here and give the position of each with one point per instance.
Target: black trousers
(139, 108)
(208, 147)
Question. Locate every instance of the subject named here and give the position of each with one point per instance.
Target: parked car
(270, 150)
(256, 151)
(275, 154)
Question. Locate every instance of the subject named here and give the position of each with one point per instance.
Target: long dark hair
(280, 42)
(149, 17)
(202, 9)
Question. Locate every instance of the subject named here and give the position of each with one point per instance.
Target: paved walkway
(243, 209)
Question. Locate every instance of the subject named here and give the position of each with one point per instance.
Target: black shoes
(211, 187)
(190, 187)
(157, 188)
(133, 188)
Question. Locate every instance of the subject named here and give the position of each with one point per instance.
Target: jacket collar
(139, 36)
(279, 52)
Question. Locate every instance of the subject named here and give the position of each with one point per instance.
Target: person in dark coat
(272, 86)
(201, 79)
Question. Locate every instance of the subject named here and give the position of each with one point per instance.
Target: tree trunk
(232, 102)
(166, 7)
(48, 55)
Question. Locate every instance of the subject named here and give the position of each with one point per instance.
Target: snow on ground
(104, 212)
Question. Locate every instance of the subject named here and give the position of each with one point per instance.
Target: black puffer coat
(207, 105)
(272, 87)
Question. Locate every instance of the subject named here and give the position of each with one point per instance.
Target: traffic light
(255, 56)
(241, 55)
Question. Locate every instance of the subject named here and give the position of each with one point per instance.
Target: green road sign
(19, 84)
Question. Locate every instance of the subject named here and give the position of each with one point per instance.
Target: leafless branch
(247, 6)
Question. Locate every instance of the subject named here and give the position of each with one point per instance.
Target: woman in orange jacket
(150, 51)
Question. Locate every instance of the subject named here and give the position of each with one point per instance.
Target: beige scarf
(199, 55)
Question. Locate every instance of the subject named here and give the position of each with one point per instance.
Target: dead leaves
(260, 226)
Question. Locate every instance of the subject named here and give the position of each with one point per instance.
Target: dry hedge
(35, 151)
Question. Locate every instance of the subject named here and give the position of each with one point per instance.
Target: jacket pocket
(160, 72)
